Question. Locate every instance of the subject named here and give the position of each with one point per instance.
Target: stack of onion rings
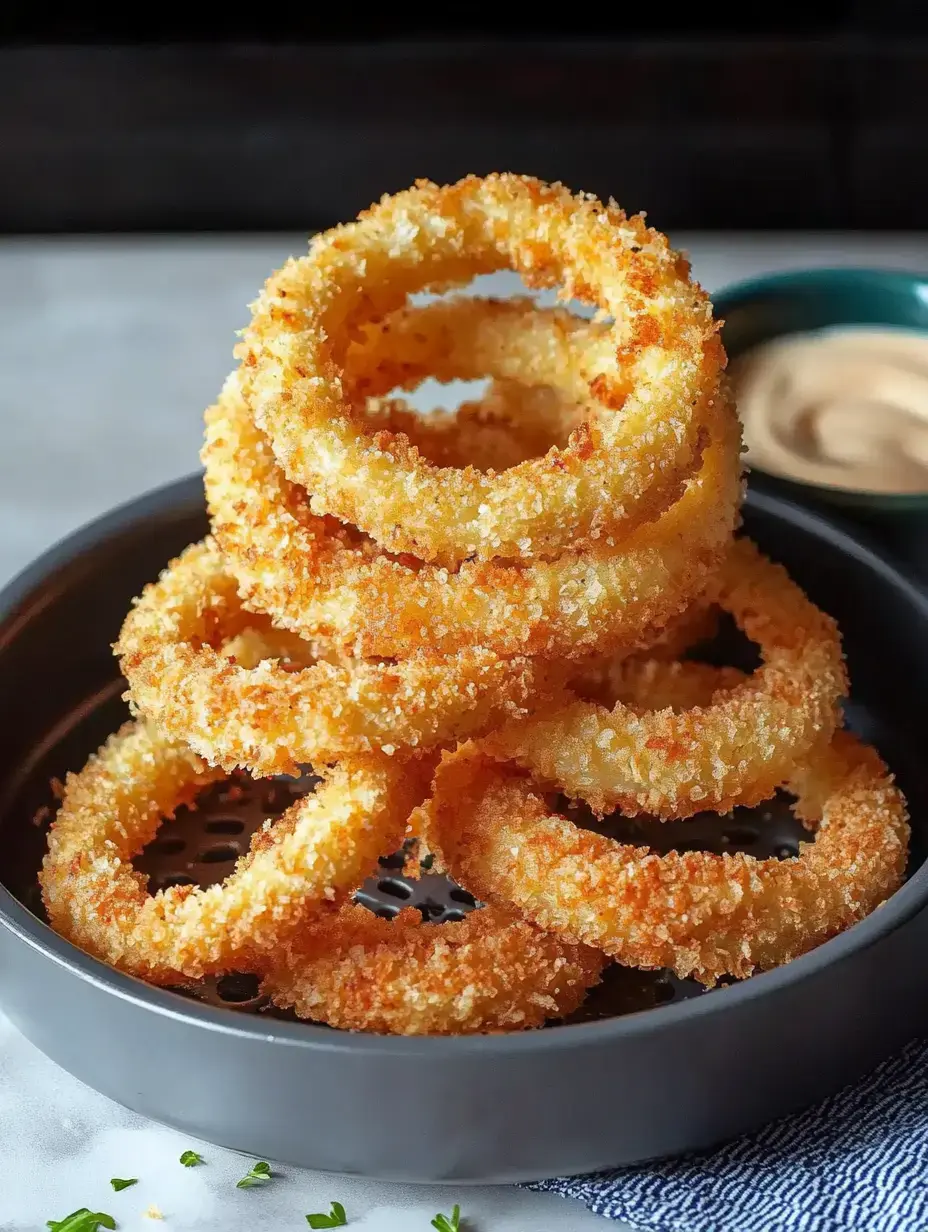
(450, 614)
(272, 717)
(321, 581)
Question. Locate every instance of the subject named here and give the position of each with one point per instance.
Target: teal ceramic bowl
(771, 307)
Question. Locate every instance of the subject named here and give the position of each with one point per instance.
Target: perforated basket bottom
(201, 844)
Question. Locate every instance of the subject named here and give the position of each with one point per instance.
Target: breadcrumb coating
(606, 679)
(702, 915)
(738, 749)
(271, 718)
(314, 855)
(644, 427)
(313, 578)
(491, 971)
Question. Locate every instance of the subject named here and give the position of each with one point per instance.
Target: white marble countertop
(109, 351)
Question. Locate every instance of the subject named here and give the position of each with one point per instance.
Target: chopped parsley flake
(336, 1218)
(83, 1220)
(260, 1173)
(443, 1224)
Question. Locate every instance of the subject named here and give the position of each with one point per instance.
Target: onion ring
(491, 971)
(323, 847)
(311, 577)
(665, 364)
(700, 914)
(737, 750)
(273, 719)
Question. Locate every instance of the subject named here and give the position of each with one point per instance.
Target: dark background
(807, 116)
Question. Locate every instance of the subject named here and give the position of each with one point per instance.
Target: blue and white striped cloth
(856, 1163)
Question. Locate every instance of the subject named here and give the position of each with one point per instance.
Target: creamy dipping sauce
(845, 407)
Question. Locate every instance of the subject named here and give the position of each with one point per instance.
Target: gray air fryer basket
(649, 1066)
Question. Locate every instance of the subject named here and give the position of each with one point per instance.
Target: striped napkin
(856, 1163)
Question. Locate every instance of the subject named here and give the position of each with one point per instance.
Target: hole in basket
(396, 861)
(225, 825)
(664, 991)
(453, 916)
(463, 896)
(431, 910)
(385, 911)
(220, 854)
(238, 988)
(396, 889)
(172, 879)
(741, 836)
(168, 846)
(786, 851)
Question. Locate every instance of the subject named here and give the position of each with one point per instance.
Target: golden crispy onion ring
(700, 914)
(323, 847)
(491, 971)
(311, 577)
(271, 718)
(643, 432)
(736, 750)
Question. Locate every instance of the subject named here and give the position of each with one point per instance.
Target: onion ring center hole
(768, 831)
(202, 843)
(437, 899)
(507, 428)
(506, 284)
(728, 648)
(432, 395)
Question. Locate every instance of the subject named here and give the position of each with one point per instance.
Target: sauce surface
(845, 407)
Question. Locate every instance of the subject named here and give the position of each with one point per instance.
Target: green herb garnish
(260, 1173)
(336, 1218)
(83, 1220)
(443, 1224)
(190, 1159)
(118, 1183)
